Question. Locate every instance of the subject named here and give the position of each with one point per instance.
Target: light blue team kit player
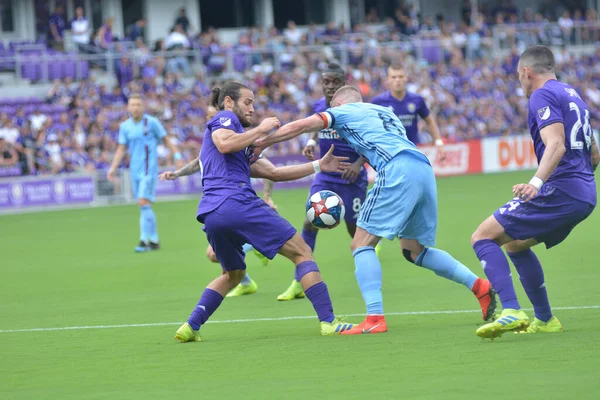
(402, 203)
(141, 134)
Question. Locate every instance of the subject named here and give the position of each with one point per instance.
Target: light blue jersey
(142, 138)
(403, 201)
(375, 132)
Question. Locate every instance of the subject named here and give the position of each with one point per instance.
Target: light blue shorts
(144, 187)
(403, 201)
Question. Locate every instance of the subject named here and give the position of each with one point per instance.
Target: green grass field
(77, 269)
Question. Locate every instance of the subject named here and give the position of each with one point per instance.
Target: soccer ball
(325, 209)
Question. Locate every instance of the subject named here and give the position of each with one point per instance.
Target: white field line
(239, 321)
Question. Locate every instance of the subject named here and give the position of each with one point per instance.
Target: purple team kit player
(234, 215)
(561, 194)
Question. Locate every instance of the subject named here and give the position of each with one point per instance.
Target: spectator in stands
(38, 120)
(124, 71)
(292, 34)
(80, 28)
(104, 36)
(178, 43)
(20, 119)
(566, 27)
(8, 155)
(136, 30)
(184, 21)
(429, 27)
(54, 153)
(8, 131)
(57, 25)
(372, 16)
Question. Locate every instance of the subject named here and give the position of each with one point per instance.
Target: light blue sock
(144, 229)
(368, 275)
(247, 247)
(247, 280)
(446, 266)
(150, 223)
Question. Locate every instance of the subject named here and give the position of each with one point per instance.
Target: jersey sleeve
(545, 108)
(225, 120)
(335, 117)
(423, 109)
(122, 135)
(158, 129)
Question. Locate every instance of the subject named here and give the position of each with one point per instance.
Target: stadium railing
(582, 33)
(37, 63)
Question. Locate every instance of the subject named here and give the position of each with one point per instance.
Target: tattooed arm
(267, 191)
(190, 168)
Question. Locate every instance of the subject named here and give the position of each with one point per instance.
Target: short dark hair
(539, 58)
(334, 68)
(230, 89)
(396, 67)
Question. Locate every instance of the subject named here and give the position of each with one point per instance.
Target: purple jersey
(223, 175)
(327, 137)
(557, 102)
(406, 109)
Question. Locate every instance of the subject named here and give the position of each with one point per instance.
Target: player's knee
(210, 254)
(143, 202)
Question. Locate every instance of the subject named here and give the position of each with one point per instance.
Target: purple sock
(319, 297)
(207, 305)
(532, 278)
(496, 267)
(310, 237)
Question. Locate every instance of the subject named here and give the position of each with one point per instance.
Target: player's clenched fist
(309, 151)
(168, 176)
(269, 124)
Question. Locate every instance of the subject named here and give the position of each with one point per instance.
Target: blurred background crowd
(473, 92)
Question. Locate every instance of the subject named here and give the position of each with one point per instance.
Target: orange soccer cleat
(372, 324)
(482, 289)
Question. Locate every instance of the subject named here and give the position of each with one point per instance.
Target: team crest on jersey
(544, 113)
(225, 121)
(411, 107)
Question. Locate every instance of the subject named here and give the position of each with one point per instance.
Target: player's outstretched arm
(264, 168)
(190, 168)
(291, 130)
(119, 154)
(595, 154)
(553, 137)
(229, 141)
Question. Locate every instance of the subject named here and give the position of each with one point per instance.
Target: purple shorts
(549, 217)
(245, 219)
(353, 196)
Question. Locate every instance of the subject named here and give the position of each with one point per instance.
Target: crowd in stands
(76, 126)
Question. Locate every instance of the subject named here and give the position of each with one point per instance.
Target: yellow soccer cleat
(186, 334)
(538, 326)
(264, 260)
(509, 320)
(241, 290)
(378, 249)
(335, 328)
(293, 292)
